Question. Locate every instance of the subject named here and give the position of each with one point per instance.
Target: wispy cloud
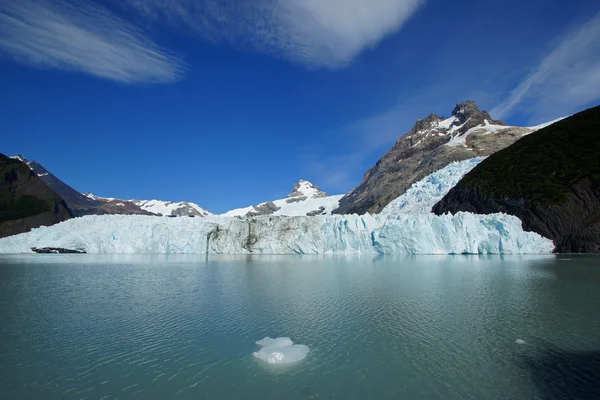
(316, 33)
(565, 80)
(85, 37)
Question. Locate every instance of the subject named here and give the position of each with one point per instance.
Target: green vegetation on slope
(544, 165)
(23, 207)
(12, 208)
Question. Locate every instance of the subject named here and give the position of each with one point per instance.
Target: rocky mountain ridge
(77, 202)
(26, 202)
(90, 204)
(430, 145)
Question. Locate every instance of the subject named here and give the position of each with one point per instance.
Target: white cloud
(564, 81)
(84, 37)
(316, 33)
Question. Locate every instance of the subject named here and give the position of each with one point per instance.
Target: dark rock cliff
(549, 179)
(25, 201)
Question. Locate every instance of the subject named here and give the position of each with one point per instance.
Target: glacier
(462, 233)
(280, 350)
(405, 226)
(424, 194)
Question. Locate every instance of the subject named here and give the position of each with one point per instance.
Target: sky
(228, 103)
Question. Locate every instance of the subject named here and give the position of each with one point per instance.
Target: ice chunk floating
(280, 351)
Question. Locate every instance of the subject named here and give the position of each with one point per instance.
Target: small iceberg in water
(280, 350)
(520, 341)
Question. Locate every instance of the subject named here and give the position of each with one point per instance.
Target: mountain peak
(306, 189)
(469, 112)
(21, 158)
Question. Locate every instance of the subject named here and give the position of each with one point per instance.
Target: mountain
(430, 145)
(305, 199)
(89, 204)
(77, 202)
(74, 199)
(408, 228)
(549, 179)
(179, 209)
(26, 202)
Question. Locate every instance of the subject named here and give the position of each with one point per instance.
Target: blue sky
(227, 103)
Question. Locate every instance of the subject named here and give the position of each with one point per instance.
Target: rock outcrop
(430, 145)
(549, 179)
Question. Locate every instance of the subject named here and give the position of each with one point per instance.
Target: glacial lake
(185, 327)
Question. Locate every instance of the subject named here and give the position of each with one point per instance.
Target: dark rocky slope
(78, 203)
(549, 179)
(25, 201)
(430, 145)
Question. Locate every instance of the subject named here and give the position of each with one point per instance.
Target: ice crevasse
(404, 227)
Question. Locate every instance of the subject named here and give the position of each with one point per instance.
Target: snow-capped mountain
(170, 208)
(158, 207)
(79, 203)
(430, 145)
(305, 199)
(90, 204)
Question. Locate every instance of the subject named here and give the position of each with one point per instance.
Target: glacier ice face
(424, 194)
(331, 234)
(462, 233)
(280, 350)
(405, 226)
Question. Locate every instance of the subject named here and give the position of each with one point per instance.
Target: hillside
(549, 179)
(430, 145)
(79, 203)
(25, 201)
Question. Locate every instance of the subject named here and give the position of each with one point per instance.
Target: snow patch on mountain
(92, 196)
(307, 189)
(544, 125)
(485, 128)
(306, 199)
(22, 159)
(172, 208)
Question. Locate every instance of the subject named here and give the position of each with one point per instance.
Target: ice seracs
(422, 195)
(280, 351)
(462, 233)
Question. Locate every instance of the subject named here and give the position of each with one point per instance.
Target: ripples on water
(117, 327)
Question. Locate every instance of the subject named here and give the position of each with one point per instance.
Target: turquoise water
(176, 327)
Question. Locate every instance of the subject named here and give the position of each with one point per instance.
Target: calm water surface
(118, 327)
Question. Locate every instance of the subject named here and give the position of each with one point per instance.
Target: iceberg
(280, 351)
